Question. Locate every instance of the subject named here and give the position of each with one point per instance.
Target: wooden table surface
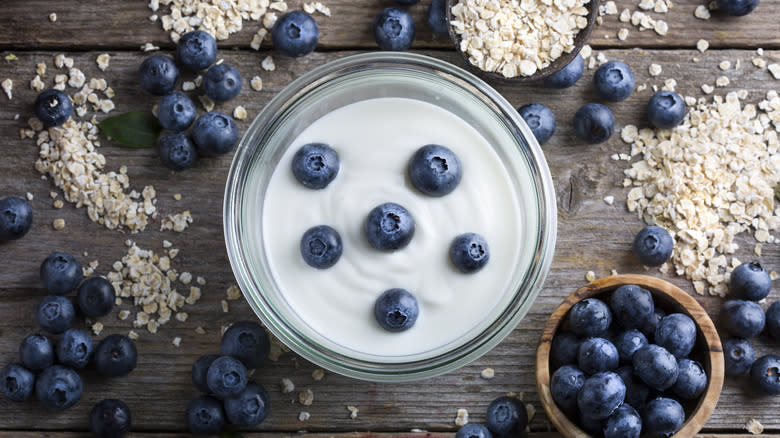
(591, 234)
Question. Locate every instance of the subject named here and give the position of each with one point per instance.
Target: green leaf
(134, 129)
(230, 434)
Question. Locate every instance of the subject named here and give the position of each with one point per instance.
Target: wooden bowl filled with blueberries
(629, 355)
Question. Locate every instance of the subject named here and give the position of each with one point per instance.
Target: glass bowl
(356, 79)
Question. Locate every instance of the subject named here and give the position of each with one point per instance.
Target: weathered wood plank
(591, 236)
(114, 25)
(19, 434)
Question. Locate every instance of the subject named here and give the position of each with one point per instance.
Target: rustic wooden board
(591, 236)
(16, 434)
(125, 25)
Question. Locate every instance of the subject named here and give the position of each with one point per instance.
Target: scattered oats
(610, 8)
(199, 330)
(318, 374)
(622, 34)
(722, 81)
(759, 62)
(322, 9)
(173, 252)
(613, 272)
(225, 306)
(775, 70)
(269, 19)
(102, 61)
(625, 16)
(303, 416)
(97, 328)
(609, 200)
(53, 17)
(268, 64)
(123, 314)
(655, 70)
(194, 295)
(670, 84)
(757, 249)
(641, 87)
(177, 196)
(306, 398)
(353, 412)
(590, 276)
(11, 57)
(219, 61)
(233, 292)
(661, 27)
(58, 224)
(646, 5)
(200, 280)
(132, 335)
(287, 386)
(462, 417)
(188, 86)
(586, 51)
(207, 103)
(61, 61)
(707, 89)
(29, 196)
(701, 12)
(280, 6)
(239, 113)
(753, 426)
(487, 373)
(167, 244)
(724, 65)
(185, 277)
(176, 342)
(153, 17)
(256, 83)
(774, 275)
(531, 411)
(152, 326)
(149, 47)
(177, 222)
(702, 45)
(8, 86)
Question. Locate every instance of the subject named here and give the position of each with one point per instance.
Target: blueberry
(389, 227)
(55, 314)
(567, 76)
(628, 342)
(394, 29)
(176, 112)
(396, 310)
(540, 119)
(96, 297)
(565, 385)
(435, 170)
(222, 82)
(749, 281)
(691, 380)
(249, 408)
(61, 273)
(315, 165)
(594, 123)
(205, 416)
(110, 418)
(738, 356)
(590, 317)
(407, 2)
(765, 374)
(295, 34)
(625, 422)
(773, 320)
(437, 17)
(631, 306)
(321, 246)
(473, 430)
(469, 252)
(737, 8)
(677, 334)
(115, 356)
(215, 133)
(506, 417)
(666, 109)
(636, 391)
(742, 319)
(592, 426)
(653, 245)
(58, 388)
(614, 81)
(36, 352)
(226, 377)
(16, 382)
(662, 416)
(199, 369)
(158, 75)
(15, 218)
(597, 355)
(564, 349)
(176, 151)
(74, 349)
(196, 50)
(652, 323)
(600, 395)
(247, 341)
(655, 366)
(53, 107)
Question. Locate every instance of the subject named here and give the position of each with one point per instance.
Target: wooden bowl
(555, 66)
(671, 299)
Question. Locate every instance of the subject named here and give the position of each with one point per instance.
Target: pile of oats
(517, 38)
(708, 180)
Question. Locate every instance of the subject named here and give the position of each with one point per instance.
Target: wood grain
(591, 236)
(109, 24)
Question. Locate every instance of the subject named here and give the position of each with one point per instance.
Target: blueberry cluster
(228, 396)
(394, 27)
(433, 170)
(743, 318)
(16, 218)
(622, 367)
(212, 133)
(47, 367)
(506, 417)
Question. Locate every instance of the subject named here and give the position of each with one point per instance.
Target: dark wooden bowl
(555, 66)
(669, 297)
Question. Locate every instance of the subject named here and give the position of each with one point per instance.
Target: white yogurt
(375, 139)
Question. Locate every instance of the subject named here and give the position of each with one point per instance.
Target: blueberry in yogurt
(590, 317)
(435, 170)
(749, 281)
(540, 119)
(315, 165)
(396, 310)
(295, 34)
(389, 227)
(321, 246)
(743, 319)
(469, 252)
